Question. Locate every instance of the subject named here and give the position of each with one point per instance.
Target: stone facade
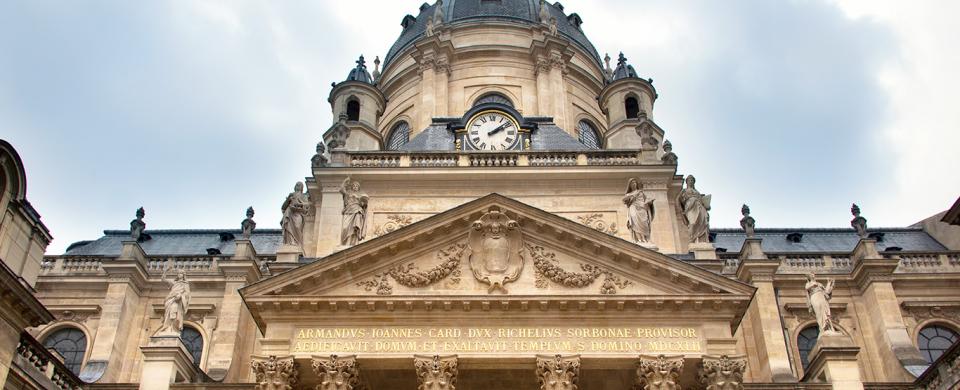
(451, 267)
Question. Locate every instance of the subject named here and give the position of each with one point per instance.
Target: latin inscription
(628, 340)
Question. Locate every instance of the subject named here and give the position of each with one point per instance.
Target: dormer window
(795, 237)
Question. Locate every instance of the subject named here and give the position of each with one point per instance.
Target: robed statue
(818, 302)
(175, 305)
(137, 226)
(695, 208)
(639, 212)
(294, 208)
(494, 248)
(354, 213)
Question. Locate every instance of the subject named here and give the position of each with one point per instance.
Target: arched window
(588, 135)
(70, 343)
(934, 340)
(353, 110)
(399, 136)
(493, 98)
(805, 342)
(193, 340)
(632, 107)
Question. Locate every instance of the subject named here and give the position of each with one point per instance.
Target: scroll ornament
(722, 372)
(436, 372)
(337, 372)
(558, 372)
(273, 373)
(659, 372)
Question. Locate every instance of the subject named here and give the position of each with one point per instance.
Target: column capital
(436, 372)
(558, 372)
(337, 372)
(722, 372)
(659, 372)
(274, 372)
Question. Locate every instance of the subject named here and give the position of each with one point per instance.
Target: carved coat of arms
(494, 249)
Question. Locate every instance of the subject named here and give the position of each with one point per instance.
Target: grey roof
(360, 72)
(623, 70)
(826, 240)
(523, 11)
(178, 242)
(437, 138)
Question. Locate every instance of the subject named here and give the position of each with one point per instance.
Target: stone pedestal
(764, 314)
(245, 250)
(289, 254)
(131, 250)
(834, 360)
(752, 250)
(648, 155)
(165, 361)
(866, 249)
(703, 251)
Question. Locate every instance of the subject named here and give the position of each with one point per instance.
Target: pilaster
(436, 372)
(165, 361)
(659, 372)
(873, 275)
(834, 360)
(329, 215)
(764, 314)
(337, 372)
(722, 372)
(274, 373)
(557, 372)
(233, 324)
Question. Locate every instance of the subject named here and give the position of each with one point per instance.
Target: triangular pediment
(534, 258)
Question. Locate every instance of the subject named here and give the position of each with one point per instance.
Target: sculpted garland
(409, 276)
(547, 269)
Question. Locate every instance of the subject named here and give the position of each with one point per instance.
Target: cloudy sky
(196, 109)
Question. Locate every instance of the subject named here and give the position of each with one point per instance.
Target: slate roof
(178, 242)
(436, 138)
(523, 11)
(837, 240)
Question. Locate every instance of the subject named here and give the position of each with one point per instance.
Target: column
(557, 372)
(544, 102)
(764, 313)
(125, 277)
(337, 372)
(873, 274)
(233, 324)
(441, 86)
(436, 372)
(274, 373)
(722, 372)
(558, 90)
(428, 100)
(659, 372)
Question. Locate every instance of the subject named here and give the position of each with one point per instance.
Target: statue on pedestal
(544, 12)
(858, 223)
(747, 222)
(248, 224)
(438, 14)
(818, 302)
(639, 212)
(354, 213)
(294, 208)
(695, 207)
(175, 305)
(137, 226)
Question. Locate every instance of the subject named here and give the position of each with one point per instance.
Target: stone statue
(137, 226)
(376, 69)
(248, 224)
(494, 247)
(639, 212)
(607, 70)
(320, 159)
(438, 13)
(818, 302)
(430, 26)
(354, 213)
(294, 208)
(859, 223)
(669, 157)
(554, 27)
(175, 305)
(695, 208)
(747, 222)
(544, 12)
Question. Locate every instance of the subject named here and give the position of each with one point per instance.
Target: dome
(360, 73)
(526, 11)
(624, 70)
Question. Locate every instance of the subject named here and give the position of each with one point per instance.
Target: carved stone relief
(494, 249)
(659, 372)
(597, 222)
(409, 274)
(558, 372)
(337, 372)
(394, 222)
(436, 372)
(274, 373)
(722, 372)
(547, 270)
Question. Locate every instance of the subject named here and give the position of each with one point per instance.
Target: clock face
(492, 130)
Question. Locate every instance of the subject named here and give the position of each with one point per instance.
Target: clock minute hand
(501, 127)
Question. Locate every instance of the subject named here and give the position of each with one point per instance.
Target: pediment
(539, 258)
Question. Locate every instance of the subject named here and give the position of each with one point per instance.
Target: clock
(492, 130)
